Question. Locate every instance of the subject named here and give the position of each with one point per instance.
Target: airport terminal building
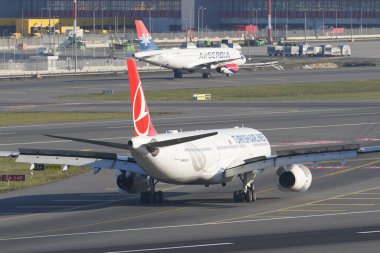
(176, 15)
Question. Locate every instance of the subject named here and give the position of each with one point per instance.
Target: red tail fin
(141, 118)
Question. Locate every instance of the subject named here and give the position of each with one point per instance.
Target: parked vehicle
(345, 50)
(314, 51)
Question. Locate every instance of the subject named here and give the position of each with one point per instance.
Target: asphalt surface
(339, 213)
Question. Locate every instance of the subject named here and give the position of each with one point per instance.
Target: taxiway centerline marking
(186, 225)
(176, 247)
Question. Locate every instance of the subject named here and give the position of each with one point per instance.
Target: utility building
(176, 15)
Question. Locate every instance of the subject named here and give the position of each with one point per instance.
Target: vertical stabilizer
(146, 41)
(141, 119)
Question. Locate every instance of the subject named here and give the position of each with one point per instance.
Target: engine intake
(297, 178)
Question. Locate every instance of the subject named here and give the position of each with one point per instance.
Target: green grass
(352, 90)
(9, 166)
(21, 118)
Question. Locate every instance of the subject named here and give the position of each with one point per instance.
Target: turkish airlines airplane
(223, 60)
(202, 157)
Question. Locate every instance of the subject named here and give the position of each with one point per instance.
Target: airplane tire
(236, 197)
(144, 197)
(249, 196)
(206, 75)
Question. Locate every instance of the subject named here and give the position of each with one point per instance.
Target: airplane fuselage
(201, 161)
(192, 58)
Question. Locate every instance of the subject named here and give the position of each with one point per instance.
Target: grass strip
(8, 166)
(350, 90)
(22, 118)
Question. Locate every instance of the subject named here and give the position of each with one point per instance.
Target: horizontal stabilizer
(101, 143)
(68, 153)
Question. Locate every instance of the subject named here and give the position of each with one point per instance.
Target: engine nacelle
(228, 69)
(297, 178)
(131, 182)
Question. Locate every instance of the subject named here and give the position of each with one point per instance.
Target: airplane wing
(65, 158)
(299, 156)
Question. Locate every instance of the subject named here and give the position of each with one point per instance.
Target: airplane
(223, 60)
(201, 157)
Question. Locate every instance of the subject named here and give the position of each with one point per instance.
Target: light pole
(41, 19)
(124, 16)
(103, 8)
(361, 19)
(150, 19)
(323, 22)
(351, 25)
(259, 9)
(3, 38)
(204, 8)
(305, 24)
(94, 28)
(199, 10)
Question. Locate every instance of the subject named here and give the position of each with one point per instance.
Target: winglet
(146, 41)
(141, 118)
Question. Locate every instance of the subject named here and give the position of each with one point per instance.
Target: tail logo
(141, 118)
(145, 39)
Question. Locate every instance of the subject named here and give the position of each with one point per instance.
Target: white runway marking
(351, 114)
(186, 225)
(368, 232)
(178, 247)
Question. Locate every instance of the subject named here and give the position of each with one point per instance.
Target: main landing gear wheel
(240, 196)
(152, 196)
(248, 192)
(206, 75)
(177, 74)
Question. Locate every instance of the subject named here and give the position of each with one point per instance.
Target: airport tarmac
(339, 213)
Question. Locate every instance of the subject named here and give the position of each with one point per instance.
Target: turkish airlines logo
(145, 39)
(141, 118)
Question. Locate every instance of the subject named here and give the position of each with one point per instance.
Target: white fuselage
(192, 59)
(202, 161)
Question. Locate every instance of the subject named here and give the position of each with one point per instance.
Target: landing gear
(177, 74)
(248, 193)
(206, 75)
(151, 196)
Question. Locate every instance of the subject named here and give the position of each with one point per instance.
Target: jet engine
(132, 182)
(228, 69)
(297, 178)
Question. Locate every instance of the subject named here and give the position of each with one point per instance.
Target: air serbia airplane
(202, 157)
(223, 60)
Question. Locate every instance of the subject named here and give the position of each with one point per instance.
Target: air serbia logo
(141, 118)
(145, 39)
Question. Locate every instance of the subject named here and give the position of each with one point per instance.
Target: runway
(339, 213)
